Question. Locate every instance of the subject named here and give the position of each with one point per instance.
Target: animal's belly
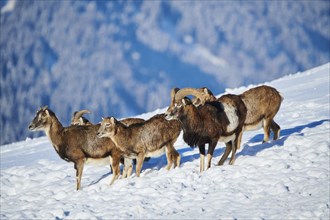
(98, 162)
(226, 139)
(194, 139)
(130, 155)
(251, 127)
(156, 153)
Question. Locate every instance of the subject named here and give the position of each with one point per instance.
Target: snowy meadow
(283, 179)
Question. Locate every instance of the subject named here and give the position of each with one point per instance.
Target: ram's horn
(189, 91)
(173, 92)
(80, 113)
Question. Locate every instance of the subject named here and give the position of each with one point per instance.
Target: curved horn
(80, 113)
(173, 92)
(189, 91)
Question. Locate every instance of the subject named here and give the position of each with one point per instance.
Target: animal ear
(184, 102)
(206, 91)
(47, 112)
(102, 118)
(112, 120)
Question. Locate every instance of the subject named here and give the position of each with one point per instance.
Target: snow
(283, 179)
(8, 7)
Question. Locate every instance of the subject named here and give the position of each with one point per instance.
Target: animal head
(206, 96)
(78, 118)
(108, 127)
(201, 96)
(42, 120)
(177, 110)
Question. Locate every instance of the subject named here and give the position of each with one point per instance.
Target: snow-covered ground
(283, 179)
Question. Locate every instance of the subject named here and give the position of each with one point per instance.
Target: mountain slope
(283, 179)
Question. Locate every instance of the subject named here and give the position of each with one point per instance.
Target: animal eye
(107, 125)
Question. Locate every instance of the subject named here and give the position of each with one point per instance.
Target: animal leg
(210, 153)
(115, 168)
(225, 154)
(174, 154)
(276, 129)
(128, 167)
(176, 158)
(168, 157)
(79, 166)
(266, 126)
(201, 157)
(239, 139)
(233, 150)
(110, 160)
(139, 163)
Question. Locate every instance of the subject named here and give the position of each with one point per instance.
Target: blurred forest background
(122, 58)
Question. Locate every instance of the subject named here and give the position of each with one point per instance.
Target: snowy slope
(284, 179)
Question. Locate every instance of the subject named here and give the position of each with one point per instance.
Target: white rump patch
(232, 117)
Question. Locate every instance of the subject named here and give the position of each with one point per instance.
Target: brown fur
(78, 119)
(209, 124)
(131, 121)
(76, 143)
(139, 140)
(262, 103)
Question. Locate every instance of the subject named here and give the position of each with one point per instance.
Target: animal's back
(157, 132)
(259, 100)
(85, 138)
(131, 121)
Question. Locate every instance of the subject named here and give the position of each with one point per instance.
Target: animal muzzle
(32, 127)
(99, 134)
(169, 117)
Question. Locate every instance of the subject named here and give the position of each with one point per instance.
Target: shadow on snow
(248, 150)
(285, 133)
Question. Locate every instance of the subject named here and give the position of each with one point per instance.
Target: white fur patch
(227, 138)
(253, 127)
(156, 153)
(98, 162)
(232, 117)
(201, 163)
(209, 158)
